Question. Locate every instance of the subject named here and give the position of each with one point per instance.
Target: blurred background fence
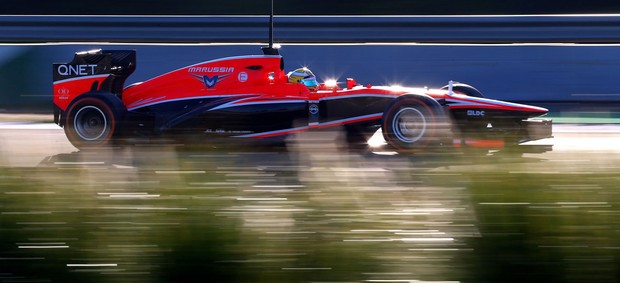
(313, 29)
(568, 59)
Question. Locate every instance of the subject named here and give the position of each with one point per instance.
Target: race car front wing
(537, 128)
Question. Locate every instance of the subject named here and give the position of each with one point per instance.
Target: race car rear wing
(91, 71)
(114, 65)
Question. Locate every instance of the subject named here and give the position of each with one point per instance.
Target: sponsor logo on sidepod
(477, 113)
(242, 77)
(211, 70)
(210, 80)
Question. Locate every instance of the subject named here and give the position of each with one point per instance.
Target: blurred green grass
(316, 217)
(585, 117)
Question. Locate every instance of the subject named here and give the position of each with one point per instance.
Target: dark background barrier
(313, 29)
(552, 59)
(316, 7)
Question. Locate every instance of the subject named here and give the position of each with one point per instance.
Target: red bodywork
(243, 96)
(66, 91)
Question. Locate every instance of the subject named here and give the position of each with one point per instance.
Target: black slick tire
(414, 123)
(92, 120)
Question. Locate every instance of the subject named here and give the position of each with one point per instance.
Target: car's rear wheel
(414, 123)
(92, 121)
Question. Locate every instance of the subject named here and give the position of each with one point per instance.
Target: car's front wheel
(91, 121)
(414, 123)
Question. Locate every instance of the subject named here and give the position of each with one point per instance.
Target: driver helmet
(304, 76)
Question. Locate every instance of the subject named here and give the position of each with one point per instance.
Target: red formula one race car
(252, 97)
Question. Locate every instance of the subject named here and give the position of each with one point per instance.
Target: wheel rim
(90, 123)
(409, 125)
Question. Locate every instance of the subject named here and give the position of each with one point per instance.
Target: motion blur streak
(311, 211)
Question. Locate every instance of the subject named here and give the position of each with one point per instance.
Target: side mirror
(351, 83)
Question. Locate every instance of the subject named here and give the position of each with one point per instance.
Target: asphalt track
(28, 144)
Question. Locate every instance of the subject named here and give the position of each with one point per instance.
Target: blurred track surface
(28, 144)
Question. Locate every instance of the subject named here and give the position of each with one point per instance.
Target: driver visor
(310, 81)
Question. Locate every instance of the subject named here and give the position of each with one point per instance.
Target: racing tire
(414, 123)
(465, 89)
(92, 120)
